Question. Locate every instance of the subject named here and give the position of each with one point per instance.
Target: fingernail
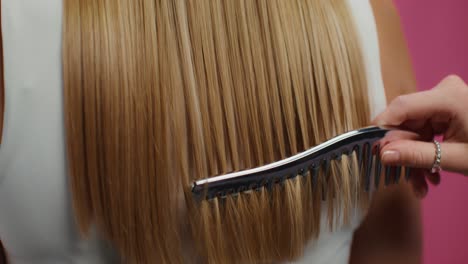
(391, 156)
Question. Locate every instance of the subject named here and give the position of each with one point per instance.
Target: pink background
(437, 34)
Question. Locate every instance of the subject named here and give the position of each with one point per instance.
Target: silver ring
(438, 157)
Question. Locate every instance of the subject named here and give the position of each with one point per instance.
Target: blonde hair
(159, 93)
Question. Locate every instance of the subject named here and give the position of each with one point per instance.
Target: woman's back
(37, 221)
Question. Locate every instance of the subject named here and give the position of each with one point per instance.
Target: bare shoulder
(397, 70)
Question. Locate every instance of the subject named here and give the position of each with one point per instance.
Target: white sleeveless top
(36, 221)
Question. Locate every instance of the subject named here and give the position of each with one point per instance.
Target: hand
(440, 111)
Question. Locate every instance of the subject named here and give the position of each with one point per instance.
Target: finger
(415, 154)
(439, 128)
(417, 106)
(414, 125)
(427, 129)
(419, 154)
(443, 99)
(454, 157)
(395, 135)
(423, 127)
(451, 81)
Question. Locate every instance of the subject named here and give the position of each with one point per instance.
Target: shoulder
(397, 70)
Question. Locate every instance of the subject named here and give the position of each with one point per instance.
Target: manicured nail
(391, 156)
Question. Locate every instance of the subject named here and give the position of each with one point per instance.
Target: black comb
(364, 142)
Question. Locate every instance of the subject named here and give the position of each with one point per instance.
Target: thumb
(419, 154)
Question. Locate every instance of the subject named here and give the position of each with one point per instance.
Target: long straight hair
(159, 93)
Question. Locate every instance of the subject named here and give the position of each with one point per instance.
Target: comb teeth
(388, 171)
(397, 174)
(305, 164)
(407, 173)
(326, 173)
(359, 154)
(368, 164)
(314, 169)
(378, 167)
